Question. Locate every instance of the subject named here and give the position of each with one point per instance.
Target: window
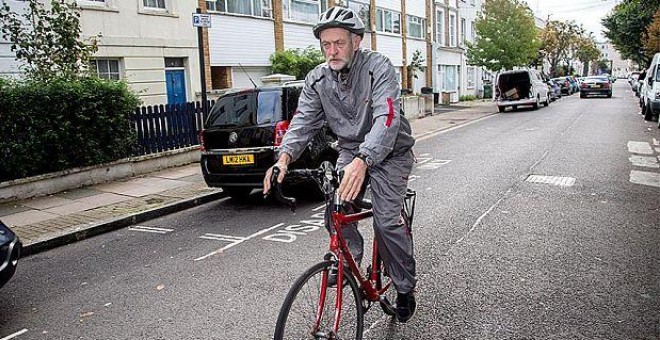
(463, 28)
(303, 10)
(416, 27)
(388, 21)
(256, 8)
(448, 77)
(473, 34)
(154, 4)
(106, 68)
(470, 77)
(440, 28)
(452, 30)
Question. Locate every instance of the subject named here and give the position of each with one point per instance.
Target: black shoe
(405, 306)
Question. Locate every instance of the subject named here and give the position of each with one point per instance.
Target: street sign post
(202, 21)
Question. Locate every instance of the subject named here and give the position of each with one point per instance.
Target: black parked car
(243, 132)
(10, 250)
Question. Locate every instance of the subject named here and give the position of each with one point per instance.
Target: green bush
(62, 124)
(467, 98)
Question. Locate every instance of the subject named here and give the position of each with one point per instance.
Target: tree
(626, 25)
(652, 41)
(506, 36)
(47, 40)
(296, 62)
(587, 52)
(416, 64)
(558, 40)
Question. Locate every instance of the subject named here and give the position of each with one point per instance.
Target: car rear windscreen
(247, 109)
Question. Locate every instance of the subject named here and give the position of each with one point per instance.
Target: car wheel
(547, 101)
(609, 95)
(648, 113)
(536, 105)
(237, 192)
(501, 108)
(583, 95)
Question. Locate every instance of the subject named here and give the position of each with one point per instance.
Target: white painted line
(645, 161)
(554, 180)
(319, 208)
(150, 229)
(643, 148)
(423, 160)
(218, 237)
(413, 178)
(431, 134)
(239, 242)
(645, 178)
(22, 331)
(656, 142)
(434, 164)
(474, 226)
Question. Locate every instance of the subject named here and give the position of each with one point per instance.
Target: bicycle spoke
(299, 313)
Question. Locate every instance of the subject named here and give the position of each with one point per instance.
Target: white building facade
(150, 44)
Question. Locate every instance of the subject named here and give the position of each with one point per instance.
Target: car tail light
(606, 85)
(280, 130)
(584, 85)
(201, 140)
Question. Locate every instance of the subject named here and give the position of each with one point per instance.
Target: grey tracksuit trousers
(389, 181)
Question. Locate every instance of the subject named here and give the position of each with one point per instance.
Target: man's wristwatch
(366, 159)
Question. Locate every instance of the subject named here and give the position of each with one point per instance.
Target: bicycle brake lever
(279, 196)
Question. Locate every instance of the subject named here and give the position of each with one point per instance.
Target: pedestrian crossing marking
(645, 178)
(643, 148)
(644, 161)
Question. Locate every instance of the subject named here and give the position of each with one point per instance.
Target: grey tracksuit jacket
(362, 107)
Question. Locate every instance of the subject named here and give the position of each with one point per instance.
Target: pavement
(43, 223)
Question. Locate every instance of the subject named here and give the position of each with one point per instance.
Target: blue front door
(176, 86)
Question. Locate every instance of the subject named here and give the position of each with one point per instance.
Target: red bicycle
(313, 309)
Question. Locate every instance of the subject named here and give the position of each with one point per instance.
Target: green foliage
(47, 39)
(296, 62)
(652, 40)
(626, 27)
(61, 124)
(467, 98)
(563, 41)
(506, 36)
(416, 64)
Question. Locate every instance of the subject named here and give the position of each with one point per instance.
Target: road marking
(434, 164)
(643, 148)
(645, 161)
(554, 180)
(149, 230)
(413, 178)
(22, 331)
(319, 208)
(645, 178)
(218, 237)
(238, 242)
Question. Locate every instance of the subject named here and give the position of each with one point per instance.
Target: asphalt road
(499, 256)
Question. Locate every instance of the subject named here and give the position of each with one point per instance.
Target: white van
(524, 87)
(651, 90)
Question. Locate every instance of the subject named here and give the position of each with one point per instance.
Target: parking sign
(201, 20)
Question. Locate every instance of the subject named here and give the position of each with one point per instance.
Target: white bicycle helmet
(339, 17)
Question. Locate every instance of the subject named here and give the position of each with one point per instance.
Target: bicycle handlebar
(325, 176)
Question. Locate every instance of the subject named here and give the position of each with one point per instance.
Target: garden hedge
(62, 124)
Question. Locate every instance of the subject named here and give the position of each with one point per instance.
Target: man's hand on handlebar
(282, 164)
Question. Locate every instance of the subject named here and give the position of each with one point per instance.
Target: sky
(585, 12)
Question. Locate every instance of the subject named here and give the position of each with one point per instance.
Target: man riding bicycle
(357, 93)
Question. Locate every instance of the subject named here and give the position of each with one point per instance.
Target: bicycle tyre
(298, 312)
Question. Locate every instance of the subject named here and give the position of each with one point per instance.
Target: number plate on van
(237, 159)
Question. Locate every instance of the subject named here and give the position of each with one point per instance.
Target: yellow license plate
(595, 86)
(237, 159)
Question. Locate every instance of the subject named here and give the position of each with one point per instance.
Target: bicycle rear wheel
(298, 315)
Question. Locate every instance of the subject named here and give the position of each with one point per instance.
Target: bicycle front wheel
(299, 313)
